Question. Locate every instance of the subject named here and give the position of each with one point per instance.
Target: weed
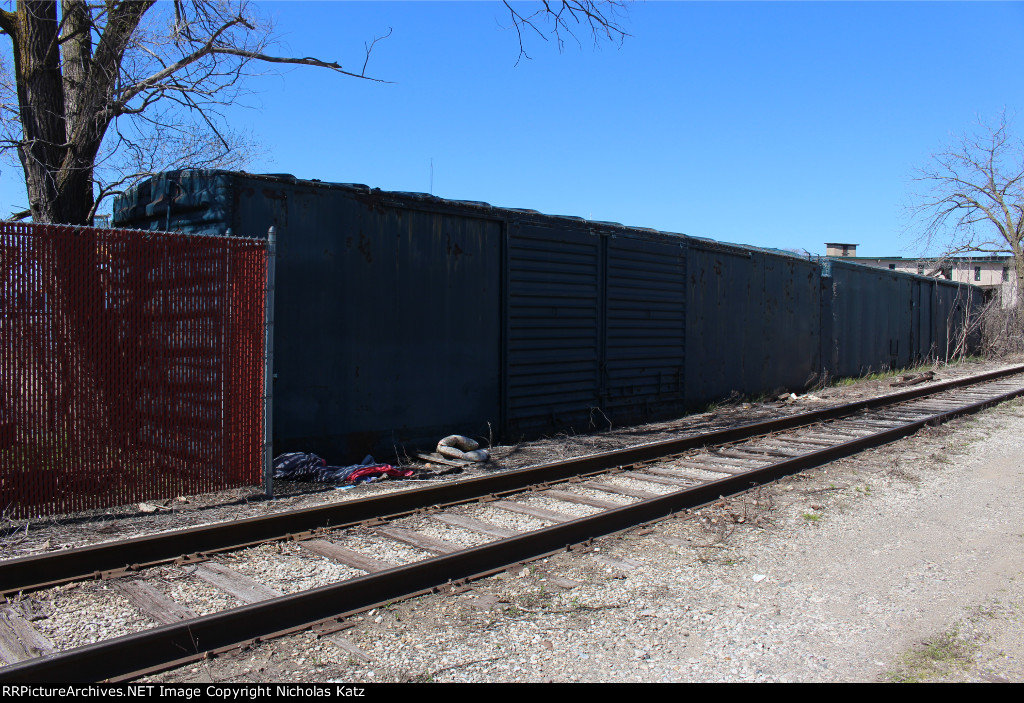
(811, 517)
(389, 608)
(900, 473)
(534, 600)
(989, 612)
(942, 655)
(722, 518)
(881, 375)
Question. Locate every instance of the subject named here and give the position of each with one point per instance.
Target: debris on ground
(458, 446)
(301, 466)
(913, 378)
(435, 458)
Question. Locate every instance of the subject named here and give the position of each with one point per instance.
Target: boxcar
(402, 317)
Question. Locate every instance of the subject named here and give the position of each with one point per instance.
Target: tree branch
(9, 24)
(975, 186)
(583, 13)
(308, 61)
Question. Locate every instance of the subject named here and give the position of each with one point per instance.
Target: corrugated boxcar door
(918, 348)
(646, 328)
(554, 294)
(927, 316)
(903, 354)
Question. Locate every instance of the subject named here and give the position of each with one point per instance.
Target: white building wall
(987, 273)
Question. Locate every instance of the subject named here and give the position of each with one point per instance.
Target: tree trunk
(1018, 265)
(79, 116)
(41, 101)
(64, 98)
(62, 131)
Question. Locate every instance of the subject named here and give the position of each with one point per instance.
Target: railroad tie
(241, 587)
(678, 473)
(416, 539)
(153, 603)
(474, 525)
(19, 640)
(664, 480)
(620, 490)
(348, 557)
(542, 513)
(713, 468)
(580, 499)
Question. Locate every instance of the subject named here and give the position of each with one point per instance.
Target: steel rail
(110, 558)
(171, 645)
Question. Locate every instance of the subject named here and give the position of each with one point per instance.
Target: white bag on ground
(457, 446)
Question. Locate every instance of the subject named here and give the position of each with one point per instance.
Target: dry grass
(1002, 332)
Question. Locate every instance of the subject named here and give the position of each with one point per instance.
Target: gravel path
(904, 563)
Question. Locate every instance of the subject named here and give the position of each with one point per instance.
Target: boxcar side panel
(720, 284)
(645, 329)
(870, 319)
(388, 326)
(554, 303)
(790, 323)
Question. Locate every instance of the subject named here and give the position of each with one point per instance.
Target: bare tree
(975, 197)
(101, 93)
(152, 75)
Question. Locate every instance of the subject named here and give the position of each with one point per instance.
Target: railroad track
(560, 504)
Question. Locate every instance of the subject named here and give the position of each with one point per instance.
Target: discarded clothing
(365, 473)
(300, 466)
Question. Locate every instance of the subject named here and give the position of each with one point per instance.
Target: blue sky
(775, 124)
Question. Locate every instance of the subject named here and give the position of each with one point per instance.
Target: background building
(994, 274)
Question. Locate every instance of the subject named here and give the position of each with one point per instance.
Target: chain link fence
(131, 366)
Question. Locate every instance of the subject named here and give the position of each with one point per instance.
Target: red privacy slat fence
(131, 366)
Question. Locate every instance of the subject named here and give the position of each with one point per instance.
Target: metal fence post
(268, 369)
